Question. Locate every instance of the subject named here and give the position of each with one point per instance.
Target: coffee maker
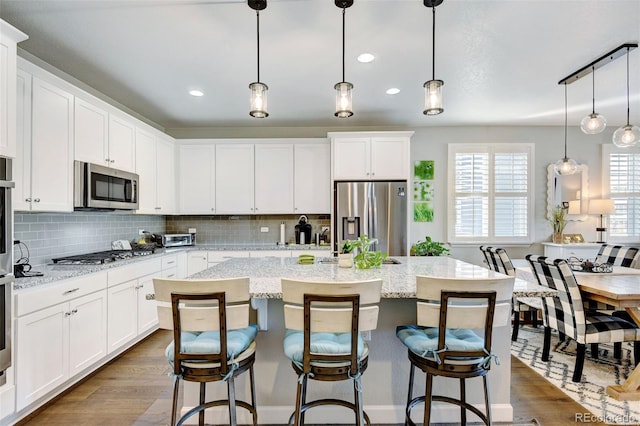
(303, 231)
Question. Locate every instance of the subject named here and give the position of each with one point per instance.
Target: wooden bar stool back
(323, 340)
(212, 338)
(453, 336)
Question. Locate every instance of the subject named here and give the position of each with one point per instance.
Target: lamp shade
(603, 207)
(574, 207)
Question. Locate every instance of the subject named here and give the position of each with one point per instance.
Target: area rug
(597, 374)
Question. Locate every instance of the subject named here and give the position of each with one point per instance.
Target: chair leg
(202, 398)
(463, 399)
(231, 390)
(427, 399)
(534, 318)
(357, 394)
(577, 370)
(174, 408)
(617, 350)
(296, 419)
(412, 371)
(594, 351)
(304, 401)
(546, 347)
(561, 336)
(253, 396)
(636, 352)
(487, 398)
(516, 326)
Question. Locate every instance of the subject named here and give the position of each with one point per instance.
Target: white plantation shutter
(490, 193)
(623, 170)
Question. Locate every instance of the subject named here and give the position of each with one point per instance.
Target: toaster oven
(173, 240)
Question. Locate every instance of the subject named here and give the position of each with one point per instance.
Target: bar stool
(212, 338)
(323, 341)
(443, 342)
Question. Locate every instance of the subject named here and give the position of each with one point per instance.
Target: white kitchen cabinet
(121, 148)
(273, 187)
(91, 124)
(9, 38)
(123, 321)
(370, 155)
(197, 179)
(234, 174)
(57, 342)
(196, 262)
(45, 178)
(565, 251)
(312, 178)
(155, 167)
(147, 309)
(22, 164)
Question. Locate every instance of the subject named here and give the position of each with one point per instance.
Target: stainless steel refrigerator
(375, 209)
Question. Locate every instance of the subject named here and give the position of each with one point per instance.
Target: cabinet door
(234, 178)
(87, 331)
(122, 308)
(147, 310)
(22, 163)
(197, 179)
(165, 177)
(42, 352)
(146, 170)
(121, 143)
(196, 262)
(91, 131)
(389, 158)
(7, 95)
(51, 148)
(273, 178)
(312, 180)
(351, 158)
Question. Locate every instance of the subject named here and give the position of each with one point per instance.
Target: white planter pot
(345, 260)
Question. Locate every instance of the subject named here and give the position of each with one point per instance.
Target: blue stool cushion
(424, 340)
(208, 342)
(321, 343)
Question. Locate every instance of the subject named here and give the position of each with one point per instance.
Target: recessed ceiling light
(196, 93)
(365, 58)
(393, 91)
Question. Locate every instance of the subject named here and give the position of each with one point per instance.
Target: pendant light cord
(565, 121)
(258, 42)
(593, 90)
(627, 86)
(343, 44)
(433, 46)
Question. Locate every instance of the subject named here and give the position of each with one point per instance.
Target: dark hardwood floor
(135, 389)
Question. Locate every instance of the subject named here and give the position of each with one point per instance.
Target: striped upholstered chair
(617, 255)
(498, 260)
(566, 313)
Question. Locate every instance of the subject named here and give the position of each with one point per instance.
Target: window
(621, 183)
(490, 193)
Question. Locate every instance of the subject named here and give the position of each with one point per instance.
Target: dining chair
(212, 339)
(498, 260)
(453, 335)
(566, 313)
(324, 321)
(617, 255)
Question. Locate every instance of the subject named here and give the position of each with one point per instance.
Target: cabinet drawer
(32, 300)
(169, 261)
(133, 271)
(169, 273)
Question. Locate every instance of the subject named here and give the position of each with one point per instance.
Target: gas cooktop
(100, 257)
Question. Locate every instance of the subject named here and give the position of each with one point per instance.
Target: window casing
(621, 183)
(490, 189)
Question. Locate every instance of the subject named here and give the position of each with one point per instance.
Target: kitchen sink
(387, 261)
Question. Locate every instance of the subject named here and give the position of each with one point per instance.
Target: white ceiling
(500, 60)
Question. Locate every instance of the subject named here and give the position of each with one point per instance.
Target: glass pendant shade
(344, 101)
(566, 166)
(258, 100)
(433, 97)
(593, 123)
(626, 136)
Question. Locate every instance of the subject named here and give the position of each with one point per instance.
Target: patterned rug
(597, 374)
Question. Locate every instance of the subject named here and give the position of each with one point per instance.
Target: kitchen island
(386, 379)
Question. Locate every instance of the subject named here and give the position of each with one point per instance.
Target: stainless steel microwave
(104, 188)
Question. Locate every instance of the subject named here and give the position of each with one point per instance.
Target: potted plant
(429, 247)
(345, 257)
(366, 258)
(558, 222)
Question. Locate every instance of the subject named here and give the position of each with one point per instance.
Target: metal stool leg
(357, 394)
(427, 399)
(297, 414)
(463, 399)
(253, 397)
(231, 390)
(202, 397)
(487, 399)
(412, 372)
(174, 408)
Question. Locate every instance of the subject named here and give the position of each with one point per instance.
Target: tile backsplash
(50, 235)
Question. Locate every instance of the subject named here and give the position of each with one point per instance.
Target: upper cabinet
(103, 138)
(197, 179)
(234, 174)
(273, 178)
(370, 155)
(9, 38)
(155, 167)
(312, 178)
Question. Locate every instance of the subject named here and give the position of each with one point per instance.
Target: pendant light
(344, 89)
(565, 165)
(593, 123)
(258, 89)
(629, 135)
(433, 87)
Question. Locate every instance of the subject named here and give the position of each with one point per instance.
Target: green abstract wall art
(423, 173)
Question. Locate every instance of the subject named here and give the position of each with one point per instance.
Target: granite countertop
(398, 281)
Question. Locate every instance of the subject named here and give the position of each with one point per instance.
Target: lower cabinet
(58, 342)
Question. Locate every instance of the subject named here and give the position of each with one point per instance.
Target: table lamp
(601, 207)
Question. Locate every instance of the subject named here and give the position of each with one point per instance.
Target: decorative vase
(345, 260)
(557, 237)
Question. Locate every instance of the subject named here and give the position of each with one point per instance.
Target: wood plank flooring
(135, 389)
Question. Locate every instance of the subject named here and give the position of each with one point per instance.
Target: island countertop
(398, 280)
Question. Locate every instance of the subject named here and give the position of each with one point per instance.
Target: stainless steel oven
(6, 275)
(99, 187)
